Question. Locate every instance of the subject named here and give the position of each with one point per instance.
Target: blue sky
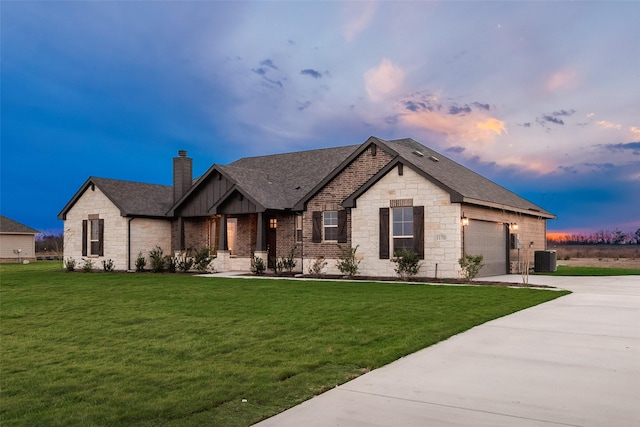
(540, 97)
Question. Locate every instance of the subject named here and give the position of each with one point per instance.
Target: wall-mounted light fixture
(513, 226)
(464, 221)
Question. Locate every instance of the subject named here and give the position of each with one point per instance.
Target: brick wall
(342, 186)
(196, 233)
(247, 234)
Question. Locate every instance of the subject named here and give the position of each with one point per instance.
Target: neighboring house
(379, 196)
(17, 241)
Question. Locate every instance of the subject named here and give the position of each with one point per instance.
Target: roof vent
(418, 153)
(434, 159)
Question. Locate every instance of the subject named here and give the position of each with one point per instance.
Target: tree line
(49, 243)
(602, 237)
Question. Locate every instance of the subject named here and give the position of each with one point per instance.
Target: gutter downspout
(129, 243)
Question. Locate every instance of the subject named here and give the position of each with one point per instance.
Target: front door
(271, 241)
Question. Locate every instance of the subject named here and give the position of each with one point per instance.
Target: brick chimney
(182, 174)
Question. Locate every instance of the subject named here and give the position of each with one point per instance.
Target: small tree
(471, 265)
(347, 262)
(407, 263)
(315, 269)
(141, 262)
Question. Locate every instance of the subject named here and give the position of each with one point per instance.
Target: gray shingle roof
(287, 181)
(465, 184)
(278, 181)
(9, 226)
(132, 198)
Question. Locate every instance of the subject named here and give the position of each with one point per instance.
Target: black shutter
(342, 226)
(84, 237)
(418, 230)
(317, 227)
(384, 233)
(101, 237)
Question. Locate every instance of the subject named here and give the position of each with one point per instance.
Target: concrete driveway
(574, 361)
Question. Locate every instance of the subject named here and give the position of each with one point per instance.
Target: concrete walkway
(574, 361)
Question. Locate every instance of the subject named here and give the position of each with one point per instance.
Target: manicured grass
(594, 271)
(178, 350)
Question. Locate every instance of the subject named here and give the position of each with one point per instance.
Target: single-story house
(17, 241)
(379, 197)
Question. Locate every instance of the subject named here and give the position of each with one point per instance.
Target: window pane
(402, 243)
(95, 248)
(397, 228)
(331, 218)
(331, 233)
(403, 222)
(408, 229)
(95, 233)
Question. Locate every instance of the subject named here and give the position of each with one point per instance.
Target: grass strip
(563, 270)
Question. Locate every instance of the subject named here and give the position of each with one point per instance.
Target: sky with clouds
(541, 97)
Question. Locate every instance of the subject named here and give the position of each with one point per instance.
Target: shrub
(289, 262)
(108, 265)
(471, 265)
(170, 263)
(278, 266)
(202, 259)
(347, 262)
(407, 263)
(183, 262)
(157, 260)
(70, 264)
(141, 262)
(257, 266)
(87, 265)
(315, 269)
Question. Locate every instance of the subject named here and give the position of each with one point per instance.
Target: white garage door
(488, 239)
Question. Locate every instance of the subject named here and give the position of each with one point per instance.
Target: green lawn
(177, 350)
(564, 270)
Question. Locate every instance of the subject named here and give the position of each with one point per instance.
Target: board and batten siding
(205, 195)
(442, 229)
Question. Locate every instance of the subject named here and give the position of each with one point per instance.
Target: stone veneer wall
(145, 233)
(342, 186)
(442, 228)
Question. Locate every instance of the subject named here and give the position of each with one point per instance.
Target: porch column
(222, 238)
(222, 261)
(260, 233)
(260, 251)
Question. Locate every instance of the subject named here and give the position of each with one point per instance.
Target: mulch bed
(416, 280)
